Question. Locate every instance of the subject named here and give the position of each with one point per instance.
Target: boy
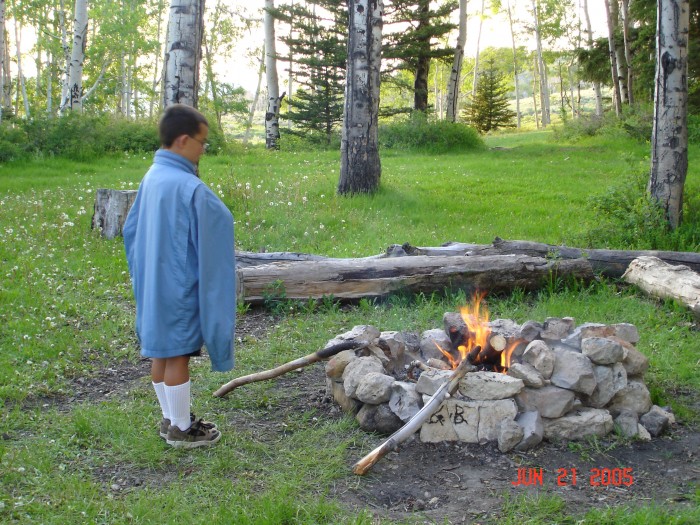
(179, 244)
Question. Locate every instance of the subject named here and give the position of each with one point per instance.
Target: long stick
(448, 387)
(292, 365)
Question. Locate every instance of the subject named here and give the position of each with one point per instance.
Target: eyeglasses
(205, 145)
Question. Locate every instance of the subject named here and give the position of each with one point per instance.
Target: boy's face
(194, 147)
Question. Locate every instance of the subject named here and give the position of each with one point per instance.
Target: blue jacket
(179, 245)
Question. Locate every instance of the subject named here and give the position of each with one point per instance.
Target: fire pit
(527, 382)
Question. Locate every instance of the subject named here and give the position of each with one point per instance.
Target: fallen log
(663, 280)
(292, 365)
(611, 263)
(447, 388)
(351, 279)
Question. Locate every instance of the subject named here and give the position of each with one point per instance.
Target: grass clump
(626, 217)
(420, 133)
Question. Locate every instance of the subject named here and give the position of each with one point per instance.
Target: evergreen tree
(489, 108)
(319, 47)
(410, 46)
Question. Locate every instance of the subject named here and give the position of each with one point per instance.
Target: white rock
(405, 402)
(429, 342)
(549, 401)
(601, 350)
(489, 385)
(528, 373)
(579, 424)
(573, 371)
(430, 380)
(635, 397)
(533, 430)
(509, 435)
(357, 369)
(375, 388)
(541, 357)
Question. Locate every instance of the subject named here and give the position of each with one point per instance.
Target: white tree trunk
(251, 115)
(274, 100)
(627, 49)
(542, 69)
(475, 80)
(455, 73)
(156, 73)
(77, 57)
(613, 59)
(5, 97)
(669, 138)
(183, 51)
(515, 65)
(2, 55)
(20, 73)
(360, 166)
(589, 38)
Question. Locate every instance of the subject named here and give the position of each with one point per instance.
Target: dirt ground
(459, 482)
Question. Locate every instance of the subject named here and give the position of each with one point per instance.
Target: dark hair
(177, 120)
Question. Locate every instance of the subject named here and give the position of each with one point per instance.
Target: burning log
(666, 281)
(448, 388)
(292, 365)
(611, 263)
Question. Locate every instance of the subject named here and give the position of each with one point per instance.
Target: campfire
(478, 380)
(520, 384)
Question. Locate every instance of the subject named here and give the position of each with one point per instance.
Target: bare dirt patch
(465, 483)
(447, 482)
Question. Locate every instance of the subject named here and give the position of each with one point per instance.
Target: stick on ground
(292, 365)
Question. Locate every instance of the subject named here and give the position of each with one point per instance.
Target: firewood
(447, 388)
(292, 365)
(498, 342)
(663, 280)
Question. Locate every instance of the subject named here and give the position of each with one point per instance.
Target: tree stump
(111, 209)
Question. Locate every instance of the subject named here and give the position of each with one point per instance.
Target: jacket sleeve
(217, 276)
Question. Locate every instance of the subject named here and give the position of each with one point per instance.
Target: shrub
(636, 121)
(625, 217)
(13, 142)
(419, 133)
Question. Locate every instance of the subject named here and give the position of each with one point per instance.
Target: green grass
(66, 311)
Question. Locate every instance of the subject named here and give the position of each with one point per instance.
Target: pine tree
(320, 51)
(419, 23)
(489, 108)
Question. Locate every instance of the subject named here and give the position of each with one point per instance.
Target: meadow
(66, 318)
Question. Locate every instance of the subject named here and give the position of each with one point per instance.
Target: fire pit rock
(562, 382)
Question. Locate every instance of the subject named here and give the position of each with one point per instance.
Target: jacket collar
(168, 158)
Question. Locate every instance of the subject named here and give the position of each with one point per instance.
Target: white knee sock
(162, 399)
(179, 404)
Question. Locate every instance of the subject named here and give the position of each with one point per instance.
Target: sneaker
(198, 435)
(165, 424)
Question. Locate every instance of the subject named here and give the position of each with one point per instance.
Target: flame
(451, 360)
(506, 355)
(477, 324)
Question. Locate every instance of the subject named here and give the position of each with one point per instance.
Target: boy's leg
(176, 378)
(157, 377)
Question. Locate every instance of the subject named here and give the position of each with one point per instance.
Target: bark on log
(111, 209)
(611, 263)
(660, 279)
(349, 279)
